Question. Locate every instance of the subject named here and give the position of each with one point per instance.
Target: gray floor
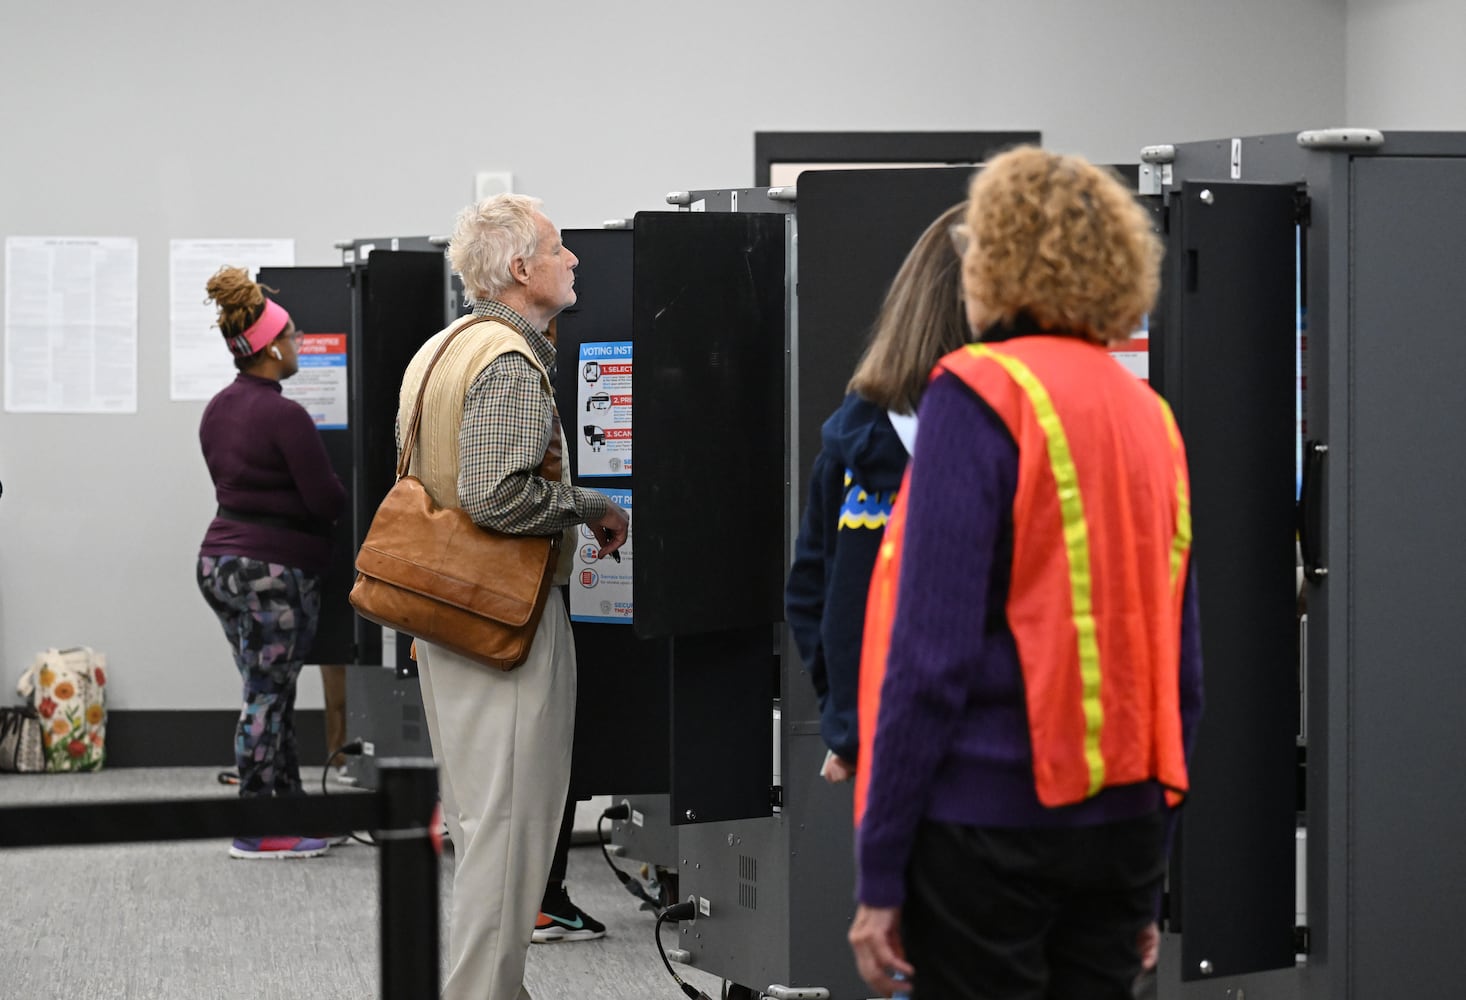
(184, 920)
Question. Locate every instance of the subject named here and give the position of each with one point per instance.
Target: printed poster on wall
(320, 384)
(200, 363)
(600, 589)
(70, 324)
(604, 411)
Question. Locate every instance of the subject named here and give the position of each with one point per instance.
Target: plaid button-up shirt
(505, 431)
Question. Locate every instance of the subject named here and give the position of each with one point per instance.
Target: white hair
(486, 239)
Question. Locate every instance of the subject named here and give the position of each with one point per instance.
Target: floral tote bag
(69, 690)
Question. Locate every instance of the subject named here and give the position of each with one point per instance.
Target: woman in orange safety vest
(1041, 674)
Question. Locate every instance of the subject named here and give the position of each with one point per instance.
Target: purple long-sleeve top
(952, 742)
(266, 458)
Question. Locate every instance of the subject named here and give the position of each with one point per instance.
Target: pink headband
(265, 329)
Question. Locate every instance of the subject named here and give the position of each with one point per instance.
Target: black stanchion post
(409, 876)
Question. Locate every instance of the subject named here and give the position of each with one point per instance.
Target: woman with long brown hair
(261, 560)
(865, 447)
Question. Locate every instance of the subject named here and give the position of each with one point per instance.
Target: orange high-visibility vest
(1101, 545)
(875, 642)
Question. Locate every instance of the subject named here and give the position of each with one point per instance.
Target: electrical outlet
(487, 183)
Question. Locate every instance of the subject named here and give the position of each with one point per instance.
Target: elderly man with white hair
(502, 738)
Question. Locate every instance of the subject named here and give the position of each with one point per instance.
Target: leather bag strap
(409, 437)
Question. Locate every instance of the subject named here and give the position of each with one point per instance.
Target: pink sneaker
(277, 847)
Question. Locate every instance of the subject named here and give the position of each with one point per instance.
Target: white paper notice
(201, 364)
(604, 409)
(70, 324)
(320, 384)
(600, 589)
(1134, 354)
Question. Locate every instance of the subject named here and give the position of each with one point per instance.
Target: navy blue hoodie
(851, 490)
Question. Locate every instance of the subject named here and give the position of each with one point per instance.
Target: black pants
(995, 914)
(560, 862)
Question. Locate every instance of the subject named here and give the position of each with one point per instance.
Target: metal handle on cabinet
(1310, 511)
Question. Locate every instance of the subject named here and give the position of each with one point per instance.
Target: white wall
(1405, 66)
(323, 120)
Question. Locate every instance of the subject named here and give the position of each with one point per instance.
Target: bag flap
(417, 546)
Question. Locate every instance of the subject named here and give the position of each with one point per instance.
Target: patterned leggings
(269, 613)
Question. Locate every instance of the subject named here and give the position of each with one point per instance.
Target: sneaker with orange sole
(562, 920)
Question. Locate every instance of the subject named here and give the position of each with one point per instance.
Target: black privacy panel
(319, 301)
(855, 229)
(399, 304)
(401, 307)
(708, 312)
(602, 312)
(722, 754)
(622, 714)
(1227, 366)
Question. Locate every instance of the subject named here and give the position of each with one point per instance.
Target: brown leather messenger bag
(432, 573)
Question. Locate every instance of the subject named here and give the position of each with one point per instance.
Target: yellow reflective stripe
(1076, 544)
(1181, 542)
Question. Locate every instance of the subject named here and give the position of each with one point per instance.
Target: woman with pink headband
(261, 560)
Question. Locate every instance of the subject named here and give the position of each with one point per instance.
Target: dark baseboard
(196, 738)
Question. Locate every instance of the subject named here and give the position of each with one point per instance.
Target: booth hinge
(1301, 941)
(1302, 208)
(776, 796)
(777, 992)
(1347, 139)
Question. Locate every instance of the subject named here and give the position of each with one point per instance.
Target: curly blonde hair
(1062, 241)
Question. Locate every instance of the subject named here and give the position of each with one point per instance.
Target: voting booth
(1332, 254)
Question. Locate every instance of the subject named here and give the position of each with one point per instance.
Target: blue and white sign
(600, 589)
(320, 383)
(603, 413)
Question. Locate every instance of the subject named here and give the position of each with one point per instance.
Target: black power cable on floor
(631, 885)
(352, 749)
(677, 911)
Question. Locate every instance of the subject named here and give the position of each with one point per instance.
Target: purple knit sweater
(952, 741)
(266, 457)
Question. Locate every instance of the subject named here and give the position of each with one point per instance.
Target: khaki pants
(503, 744)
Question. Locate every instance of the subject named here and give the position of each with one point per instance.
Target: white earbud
(276, 351)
